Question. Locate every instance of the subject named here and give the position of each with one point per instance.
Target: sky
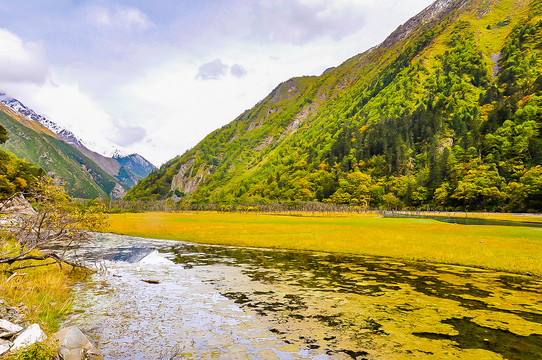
(156, 77)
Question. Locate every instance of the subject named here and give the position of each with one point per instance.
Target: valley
(388, 207)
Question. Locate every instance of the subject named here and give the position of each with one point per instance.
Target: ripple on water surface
(168, 300)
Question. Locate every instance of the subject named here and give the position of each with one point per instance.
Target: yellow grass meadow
(506, 248)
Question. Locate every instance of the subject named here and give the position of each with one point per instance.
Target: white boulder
(8, 329)
(4, 347)
(29, 337)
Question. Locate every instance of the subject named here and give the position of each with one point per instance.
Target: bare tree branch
(57, 226)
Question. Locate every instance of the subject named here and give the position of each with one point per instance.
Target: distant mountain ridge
(446, 113)
(62, 132)
(126, 169)
(39, 146)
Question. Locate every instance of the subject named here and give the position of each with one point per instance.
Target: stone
(8, 329)
(30, 336)
(118, 192)
(151, 281)
(4, 347)
(74, 345)
(92, 354)
(17, 204)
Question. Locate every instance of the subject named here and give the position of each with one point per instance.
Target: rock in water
(30, 336)
(150, 281)
(74, 345)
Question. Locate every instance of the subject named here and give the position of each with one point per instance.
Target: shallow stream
(156, 299)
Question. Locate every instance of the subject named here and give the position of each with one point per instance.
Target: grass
(511, 249)
(43, 292)
(37, 351)
(43, 296)
(492, 39)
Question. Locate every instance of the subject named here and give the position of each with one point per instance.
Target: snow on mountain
(125, 169)
(104, 146)
(118, 153)
(137, 164)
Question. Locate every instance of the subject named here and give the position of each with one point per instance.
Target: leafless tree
(56, 228)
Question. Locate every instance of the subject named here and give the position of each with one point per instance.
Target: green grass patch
(43, 292)
(506, 248)
(38, 351)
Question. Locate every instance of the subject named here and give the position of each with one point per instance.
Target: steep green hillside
(15, 174)
(125, 169)
(83, 178)
(445, 113)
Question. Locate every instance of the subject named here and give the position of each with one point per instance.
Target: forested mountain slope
(445, 113)
(36, 144)
(126, 169)
(15, 174)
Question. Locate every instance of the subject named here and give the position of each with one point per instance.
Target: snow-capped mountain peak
(30, 114)
(118, 153)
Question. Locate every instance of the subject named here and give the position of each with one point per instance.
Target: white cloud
(21, 61)
(216, 69)
(125, 18)
(301, 21)
(69, 106)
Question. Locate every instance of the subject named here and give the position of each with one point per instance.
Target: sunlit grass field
(513, 249)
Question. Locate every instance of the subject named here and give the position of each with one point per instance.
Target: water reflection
(469, 221)
(227, 302)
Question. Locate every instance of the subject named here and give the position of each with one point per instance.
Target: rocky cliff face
(189, 177)
(118, 192)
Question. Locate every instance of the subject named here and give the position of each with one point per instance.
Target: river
(156, 299)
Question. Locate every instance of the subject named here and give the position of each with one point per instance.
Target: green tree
(532, 191)
(391, 202)
(480, 188)
(3, 135)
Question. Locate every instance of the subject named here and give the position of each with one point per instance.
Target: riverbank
(34, 299)
(42, 294)
(506, 248)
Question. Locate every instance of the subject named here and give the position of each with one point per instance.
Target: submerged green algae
(375, 308)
